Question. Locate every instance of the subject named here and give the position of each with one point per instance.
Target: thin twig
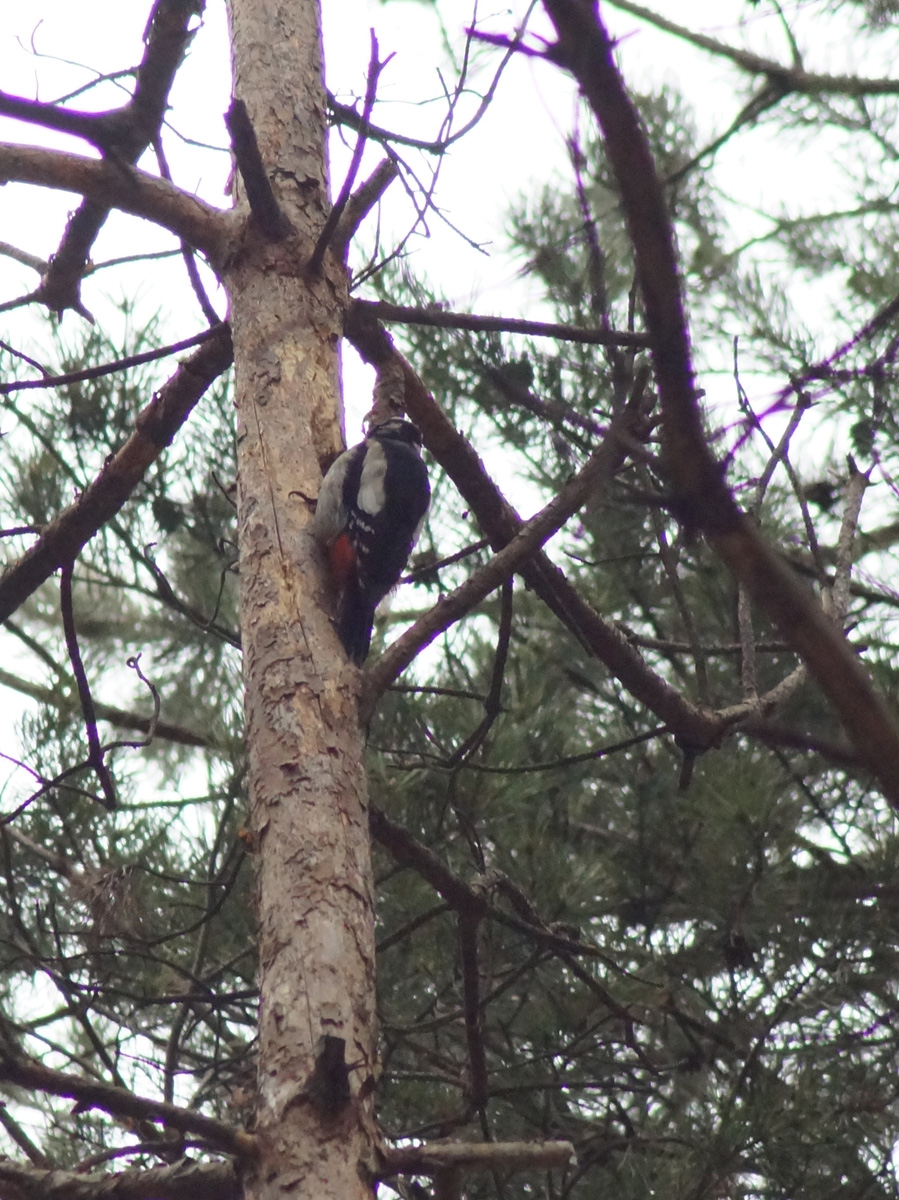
(492, 701)
(469, 921)
(375, 67)
(95, 750)
(187, 253)
(111, 368)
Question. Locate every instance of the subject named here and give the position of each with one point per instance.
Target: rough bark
(307, 785)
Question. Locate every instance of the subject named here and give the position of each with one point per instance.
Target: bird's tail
(354, 623)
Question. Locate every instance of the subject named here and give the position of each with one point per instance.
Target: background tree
(633, 819)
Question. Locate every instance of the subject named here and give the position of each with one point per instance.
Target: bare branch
(200, 225)
(362, 201)
(120, 364)
(22, 1140)
(23, 257)
(187, 254)
(124, 134)
(95, 750)
(375, 66)
(103, 130)
(119, 1102)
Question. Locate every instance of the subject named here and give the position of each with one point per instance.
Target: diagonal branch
(205, 228)
(694, 726)
(271, 219)
(119, 1102)
(362, 201)
(63, 539)
(107, 368)
(108, 712)
(95, 750)
(375, 67)
(788, 79)
(701, 497)
(127, 132)
(519, 550)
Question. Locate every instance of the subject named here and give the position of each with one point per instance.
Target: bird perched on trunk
(370, 510)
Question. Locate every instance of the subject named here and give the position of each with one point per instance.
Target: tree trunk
(306, 779)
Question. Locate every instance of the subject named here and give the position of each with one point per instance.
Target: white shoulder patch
(371, 484)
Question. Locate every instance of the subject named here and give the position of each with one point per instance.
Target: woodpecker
(371, 507)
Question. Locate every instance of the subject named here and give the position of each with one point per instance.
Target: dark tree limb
(272, 221)
(22, 1140)
(441, 319)
(95, 128)
(64, 538)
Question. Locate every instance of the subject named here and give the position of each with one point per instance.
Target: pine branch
(442, 319)
(119, 1102)
(787, 78)
(184, 1180)
(64, 538)
(431, 1159)
(702, 499)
